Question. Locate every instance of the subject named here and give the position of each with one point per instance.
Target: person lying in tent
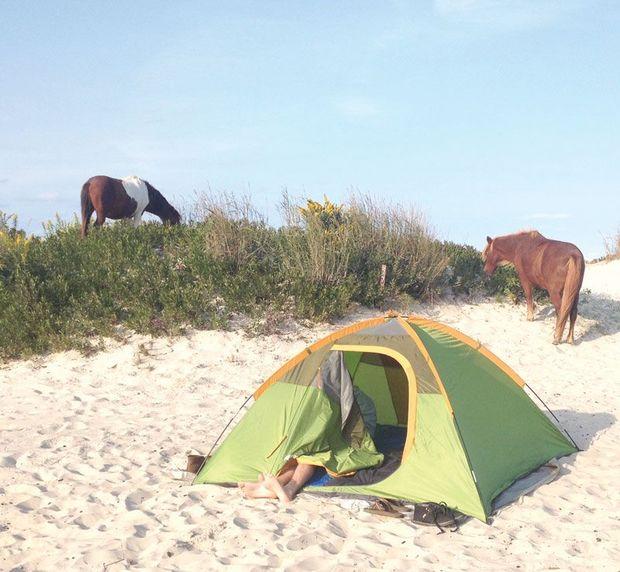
(296, 473)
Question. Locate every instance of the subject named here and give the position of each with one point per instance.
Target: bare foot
(278, 490)
(243, 485)
(258, 491)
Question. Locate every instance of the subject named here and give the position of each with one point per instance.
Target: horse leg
(86, 214)
(573, 319)
(87, 208)
(556, 300)
(529, 298)
(100, 220)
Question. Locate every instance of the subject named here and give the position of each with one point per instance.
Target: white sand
(88, 445)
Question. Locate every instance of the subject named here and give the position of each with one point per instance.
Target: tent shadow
(584, 427)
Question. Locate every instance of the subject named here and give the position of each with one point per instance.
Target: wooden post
(383, 274)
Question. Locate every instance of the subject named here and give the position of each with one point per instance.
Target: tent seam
(469, 464)
(427, 358)
(420, 344)
(476, 345)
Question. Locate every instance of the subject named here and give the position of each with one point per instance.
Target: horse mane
(156, 199)
(508, 241)
(532, 233)
(525, 233)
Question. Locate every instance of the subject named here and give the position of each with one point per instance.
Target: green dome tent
(471, 429)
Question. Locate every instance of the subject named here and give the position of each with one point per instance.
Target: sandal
(384, 507)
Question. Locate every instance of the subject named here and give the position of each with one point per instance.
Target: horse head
(490, 257)
(159, 206)
(170, 215)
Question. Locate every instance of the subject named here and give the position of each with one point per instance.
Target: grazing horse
(123, 198)
(556, 266)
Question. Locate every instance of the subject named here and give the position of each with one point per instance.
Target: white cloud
(548, 216)
(357, 107)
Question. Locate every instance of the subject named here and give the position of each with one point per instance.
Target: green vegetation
(59, 291)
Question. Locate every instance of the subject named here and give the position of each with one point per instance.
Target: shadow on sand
(604, 311)
(584, 427)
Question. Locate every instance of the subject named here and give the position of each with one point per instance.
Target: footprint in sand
(24, 489)
(337, 529)
(80, 469)
(141, 530)
(314, 563)
(195, 515)
(332, 548)
(44, 476)
(6, 540)
(241, 522)
(86, 521)
(29, 505)
(25, 497)
(102, 498)
(137, 545)
(7, 462)
(135, 499)
(304, 541)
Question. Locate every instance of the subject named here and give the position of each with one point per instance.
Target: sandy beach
(90, 447)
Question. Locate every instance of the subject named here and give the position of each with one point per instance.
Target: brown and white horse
(123, 198)
(556, 266)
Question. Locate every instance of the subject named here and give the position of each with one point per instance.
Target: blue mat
(387, 438)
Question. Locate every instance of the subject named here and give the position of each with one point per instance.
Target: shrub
(335, 254)
(465, 271)
(505, 283)
(59, 291)
(399, 238)
(612, 247)
(65, 289)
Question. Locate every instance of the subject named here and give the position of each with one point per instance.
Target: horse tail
(87, 207)
(572, 285)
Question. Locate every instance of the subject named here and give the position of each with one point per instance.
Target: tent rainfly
(469, 428)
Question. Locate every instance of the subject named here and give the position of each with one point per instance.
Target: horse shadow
(584, 427)
(604, 312)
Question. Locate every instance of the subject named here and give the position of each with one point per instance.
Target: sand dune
(89, 448)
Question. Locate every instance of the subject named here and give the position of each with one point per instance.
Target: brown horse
(123, 198)
(556, 266)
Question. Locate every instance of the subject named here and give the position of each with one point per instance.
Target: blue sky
(488, 115)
